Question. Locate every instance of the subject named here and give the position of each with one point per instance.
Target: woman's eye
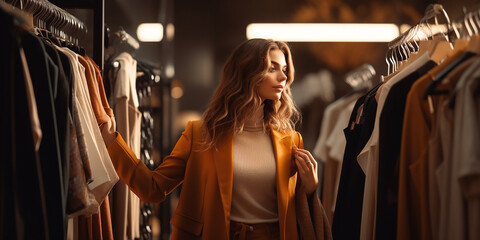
(272, 69)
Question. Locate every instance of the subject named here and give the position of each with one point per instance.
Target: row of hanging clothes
(58, 173)
(58, 181)
(408, 165)
(129, 89)
(123, 99)
(330, 145)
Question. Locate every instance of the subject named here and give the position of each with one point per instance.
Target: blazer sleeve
(148, 185)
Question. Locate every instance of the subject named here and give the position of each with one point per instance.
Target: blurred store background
(205, 32)
(198, 36)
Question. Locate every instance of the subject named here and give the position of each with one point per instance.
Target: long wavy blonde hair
(236, 96)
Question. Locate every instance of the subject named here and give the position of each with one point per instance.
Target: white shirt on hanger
(104, 176)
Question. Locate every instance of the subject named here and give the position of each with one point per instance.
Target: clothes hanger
(47, 14)
(361, 77)
(404, 50)
(388, 62)
(395, 59)
(440, 46)
(402, 45)
(430, 43)
(31, 7)
(474, 40)
(473, 46)
(398, 57)
(408, 49)
(43, 9)
(392, 60)
(412, 49)
(468, 54)
(459, 43)
(390, 55)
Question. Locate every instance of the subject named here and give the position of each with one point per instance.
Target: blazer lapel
(223, 158)
(282, 145)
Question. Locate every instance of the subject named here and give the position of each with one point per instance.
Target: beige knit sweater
(254, 198)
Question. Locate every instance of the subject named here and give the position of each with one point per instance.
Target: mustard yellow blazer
(203, 210)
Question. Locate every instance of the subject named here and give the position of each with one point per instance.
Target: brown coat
(203, 211)
(312, 219)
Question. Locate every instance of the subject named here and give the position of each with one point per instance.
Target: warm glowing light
(313, 32)
(177, 92)
(150, 32)
(169, 71)
(404, 28)
(170, 31)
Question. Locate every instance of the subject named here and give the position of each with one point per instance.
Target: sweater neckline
(255, 122)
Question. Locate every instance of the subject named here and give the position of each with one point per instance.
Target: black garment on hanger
(348, 209)
(43, 72)
(440, 76)
(61, 93)
(22, 208)
(390, 138)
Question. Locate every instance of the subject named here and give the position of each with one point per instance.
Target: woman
(238, 165)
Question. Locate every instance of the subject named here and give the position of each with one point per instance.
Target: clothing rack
(121, 37)
(121, 41)
(467, 24)
(424, 29)
(361, 77)
(400, 48)
(463, 27)
(52, 16)
(144, 84)
(98, 7)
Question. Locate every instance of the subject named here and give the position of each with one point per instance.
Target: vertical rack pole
(99, 33)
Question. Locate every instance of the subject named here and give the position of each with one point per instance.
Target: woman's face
(272, 85)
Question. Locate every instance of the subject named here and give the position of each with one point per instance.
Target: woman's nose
(282, 77)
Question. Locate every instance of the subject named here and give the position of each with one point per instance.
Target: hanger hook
(466, 25)
(388, 62)
(472, 23)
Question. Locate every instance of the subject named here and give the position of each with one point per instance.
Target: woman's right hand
(307, 168)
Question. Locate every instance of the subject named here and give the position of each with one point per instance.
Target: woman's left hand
(307, 168)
